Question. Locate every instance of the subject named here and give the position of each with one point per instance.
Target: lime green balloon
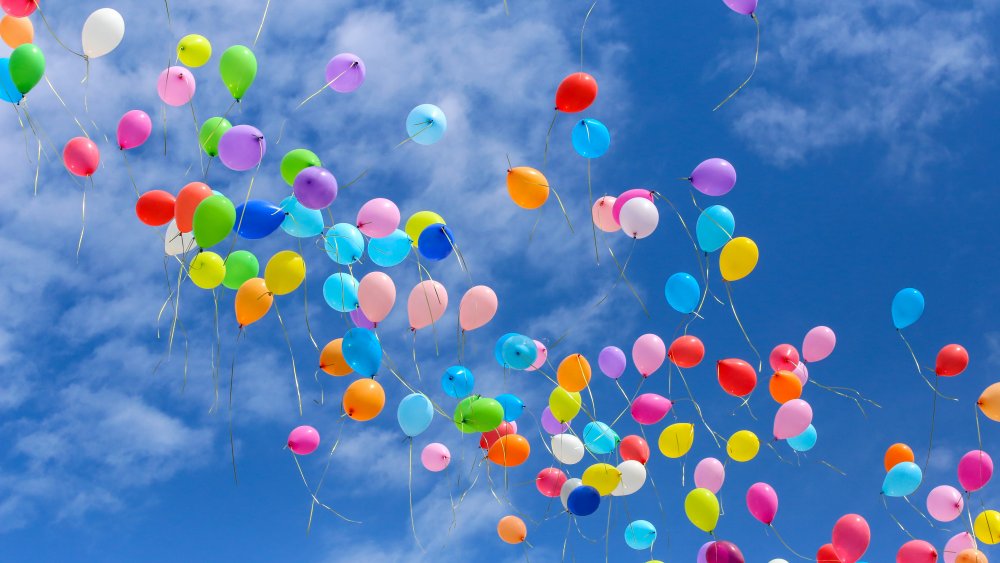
(296, 161)
(702, 508)
(238, 68)
(214, 218)
(241, 266)
(27, 66)
(194, 50)
(211, 131)
(478, 414)
(207, 270)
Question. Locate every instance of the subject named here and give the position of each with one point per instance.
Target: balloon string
(262, 19)
(756, 57)
(414, 349)
(563, 209)
(652, 481)
(232, 379)
(857, 398)
(413, 523)
(697, 408)
(427, 124)
(83, 219)
(921, 370)
(197, 132)
(216, 353)
(177, 304)
(729, 294)
(979, 433)
(924, 516)
(776, 454)
(170, 23)
(628, 404)
(58, 97)
(305, 303)
(930, 437)
(462, 264)
(168, 300)
(894, 519)
(583, 27)
(831, 466)
(295, 373)
(36, 127)
(717, 224)
(569, 527)
(548, 135)
(53, 33)
(243, 212)
(784, 543)
(176, 322)
(316, 501)
(394, 371)
(607, 531)
(325, 86)
(622, 276)
(128, 170)
(590, 195)
(968, 513)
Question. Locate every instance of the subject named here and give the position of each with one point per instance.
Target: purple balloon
(724, 552)
(242, 147)
(551, 425)
(360, 320)
(315, 187)
(714, 177)
(703, 552)
(612, 362)
(345, 73)
(745, 7)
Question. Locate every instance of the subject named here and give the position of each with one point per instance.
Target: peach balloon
(603, 214)
(253, 301)
(478, 307)
(16, 31)
(376, 296)
(512, 529)
(426, 304)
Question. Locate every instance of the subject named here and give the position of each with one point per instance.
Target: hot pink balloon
(303, 440)
(550, 482)
(376, 296)
(762, 502)
(714, 177)
(784, 357)
(792, 419)
(916, 551)
(802, 372)
(975, 469)
(478, 306)
(650, 408)
(176, 86)
(745, 7)
(818, 343)
(426, 304)
(710, 474)
(851, 537)
(133, 129)
(543, 356)
(435, 457)
(620, 201)
(648, 354)
(378, 218)
(945, 503)
(81, 156)
(957, 544)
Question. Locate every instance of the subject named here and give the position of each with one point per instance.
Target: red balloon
(576, 92)
(784, 357)
(736, 377)
(634, 448)
(18, 8)
(155, 208)
(917, 551)
(81, 156)
(686, 351)
(724, 552)
(187, 201)
(951, 360)
(826, 554)
(487, 439)
(550, 481)
(851, 537)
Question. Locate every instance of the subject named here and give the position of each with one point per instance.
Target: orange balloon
(527, 187)
(253, 301)
(510, 450)
(574, 373)
(364, 399)
(16, 31)
(989, 402)
(896, 454)
(785, 386)
(970, 555)
(331, 359)
(512, 529)
(187, 201)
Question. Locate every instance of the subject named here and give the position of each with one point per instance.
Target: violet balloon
(975, 470)
(315, 187)
(551, 425)
(242, 147)
(612, 362)
(360, 320)
(714, 177)
(133, 129)
(762, 502)
(345, 73)
(745, 7)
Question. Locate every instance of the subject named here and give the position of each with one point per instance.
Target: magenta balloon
(176, 86)
(851, 536)
(360, 320)
(616, 209)
(710, 474)
(792, 419)
(945, 503)
(714, 177)
(818, 344)
(345, 73)
(612, 362)
(975, 470)
(762, 502)
(133, 129)
(303, 440)
(745, 7)
(378, 218)
(551, 425)
(314, 187)
(242, 147)
(648, 354)
(724, 552)
(650, 408)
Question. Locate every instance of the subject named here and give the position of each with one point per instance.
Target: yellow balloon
(602, 476)
(743, 446)
(702, 508)
(564, 405)
(285, 272)
(194, 50)
(677, 439)
(738, 258)
(420, 221)
(207, 270)
(987, 527)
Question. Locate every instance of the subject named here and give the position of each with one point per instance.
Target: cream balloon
(102, 32)
(567, 488)
(633, 477)
(567, 448)
(639, 217)
(175, 242)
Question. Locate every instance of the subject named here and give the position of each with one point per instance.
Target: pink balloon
(957, 544)
(478, 306)
(603, 214)
(650, 408)
(133, 129)
(792, 419)
(851, 536)
(543, 356)
(648, 354)
(81, 156)
(176, 86)
(762, 502)
(802, 372)
(945, 503)
(303, 440)
(745, 7)
(710, 474)
(818, 343)
(378, 218)
(376, 296)
(550, 481)
(917, 551)
(426, 304)
(784, 357)
(435, 457)
(620, 201)
(975, 470)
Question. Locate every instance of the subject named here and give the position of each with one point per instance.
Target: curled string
(784, 543)
(66, 107)
(176, 322)
(894, 519)
(920, 370)
(756, 57)
(729, 294)
(413, 523)
(83, 217)
(697, 408)
(262, 20)
(717, 224)
(295, 373)
(583, 27)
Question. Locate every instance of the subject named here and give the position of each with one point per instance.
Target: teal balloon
(907, 307)
(804, 441)
(301, 222)
(519, 352)
(414, 414)
(512, 406)
(391, 250)
(458, 381)
(683, 292)
(8, 90)
(340, 291)
(344, 243)
(498, 349)
(214, 218)
(591, 138)
(715, 228)
(362, 351)
(599, 438)
(902, 480)
(426, 124)
(640, 534)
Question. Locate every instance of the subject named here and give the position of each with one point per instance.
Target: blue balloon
(414, 414)
(391, 250)
(362, 351)
(457, 382)
(907, 307)
(683, 293)
(902, 480)
(512, 406)
(436, 242)
(640, 534)
(584, 500)
(341, 292)
(8, 90)
(344, 243)
(301, 222)
(257, 218)
(804, 441)
(715, 228)
(426, 124)
(591, 138)
(498, 349)
(599, 438)
(519, 352)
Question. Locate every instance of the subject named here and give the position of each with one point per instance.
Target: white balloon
(639, 217)
(102, 32)
(175, 242)
(566, 489)
(633, 477)
(567, 448)
(777, 561)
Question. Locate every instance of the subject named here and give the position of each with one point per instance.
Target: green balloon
(27, 66)
(241, 266)
(214, 218)
(296, 161)
(238, 68)
(478, 414)
(211, 131)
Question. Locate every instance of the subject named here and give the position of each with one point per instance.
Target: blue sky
(864, 147)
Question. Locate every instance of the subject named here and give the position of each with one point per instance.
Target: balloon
(792, 419)
(639, 218)
(723, 552)
(550, 481)
(902, 480)
(390, 250)
(975, 470)
(951, 360)
(802, 372)
(175, 242)
(640, 534)
(686, 351)
(715, 227)
(683, 293)
(736, 377)
(155, 208)
(478, 414)
(710, 474)
(745, 7)
(242, 148)
(511, 529)
(896, 454)
(738, 259)
(784, 357)
(299, 221)
(907, 307)
(435, 457)
(345, 73)
(102, 32)
(676, 440)
(804, 441)
(303, 440)
(426, 304)
(957, 544)
(81, 156)
(19, 8)
(785, 386)
(176, 86)
(627, 196)
(295, 161)
(564, 404)
(457, 381)
(650, 408)
(285, 272)
(436, 242)
(211, 133)
(574, 373)
(489, 438)
(648, 353)
(238, 68)
(987, 527)
(702, 509)
(633, 477)
(989, 402)
(426, 124)
(512, 406)
(478, 306)
(567, 449)
(714, 177)
(591, 138)
(971, 555)
(16, 31)
(527, 187)
(851, 537)
(378, 217)
(207, 270)
(519, 352)
(362, 351)
(603, 214)
(414, 414)
(315, 187)
(359, 319)
(253, 301)
(8, 91)
(576, 92)
(762, 502)
(603, 477)
(916, 551)
(583, 500)
(826, 554)
(241, 265)
(194, 50)
(363, 399)
(344, 243)
(27, 66)
(612, 362)
(550, 424)
(542, 356)
(331, 358)
(568, 487)
(213, 220)
(133, 129)
(256, 218)
(420, 221)
(944, 503)
(818, 344)
(743, 447)
(634, 448)
(599, 438)
(376, 296)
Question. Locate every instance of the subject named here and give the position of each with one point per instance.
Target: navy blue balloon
(584, 500)
(362, 351)
(458, 381)
(259, 219)
(436, 242)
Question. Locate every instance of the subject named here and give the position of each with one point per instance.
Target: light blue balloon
(498, 349)
(344, 243)
(715, 228)
(8, 91)
(362, 351)
(414, 414)
(341, 292)
(599, 438)
(591, 138)
(683, 292)
(902, 480)
(301, 222)
(426, 124)
(391, 250)
(458, 381)
(519, 352)
(804, 441)
(907, 307)
(512, 406)
(640, 534)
